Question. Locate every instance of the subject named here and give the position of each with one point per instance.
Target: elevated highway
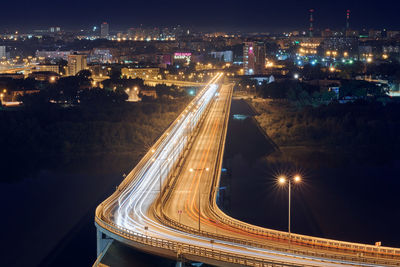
(167, 206)
(154, 82)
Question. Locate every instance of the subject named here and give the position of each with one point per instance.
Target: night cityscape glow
(212, 133)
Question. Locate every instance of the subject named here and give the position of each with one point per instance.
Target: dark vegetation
(303, 94)
(69, 118)
(39, 134)
(362, 125)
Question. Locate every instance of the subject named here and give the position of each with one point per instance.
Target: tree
(98, 96)
(349, 71)
(65, 90)
(312, 72)
(62, 64)
(38, 100)
(84, 78)
(115, 75)
(387, 70)
(84, 74)
(361, 89)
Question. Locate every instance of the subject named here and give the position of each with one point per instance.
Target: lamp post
(282, 181)
(161, 160)
(160, 170)
(198, 193)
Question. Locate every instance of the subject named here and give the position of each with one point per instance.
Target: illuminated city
(200, 134)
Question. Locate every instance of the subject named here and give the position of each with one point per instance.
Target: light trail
(153, 170)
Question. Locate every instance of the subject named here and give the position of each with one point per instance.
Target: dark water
(48, 217)
(347, 196)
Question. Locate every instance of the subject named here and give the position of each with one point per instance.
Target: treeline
(33, 134)
(82, 90)
(303, 94)
(372, 126)
(118, 128)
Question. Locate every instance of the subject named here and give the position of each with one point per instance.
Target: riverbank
(344, 195)
(364, 130)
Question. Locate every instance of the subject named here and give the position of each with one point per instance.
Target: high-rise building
(100, 55)
(375, 33)
(76, 63)
(104, 30)
(131, 33)
(311, 29)
(54, 29)
(393, 34)
(259, 52)
(226, 56)
(253, 58)
(2, 52)
(248, 58)
(52, 55)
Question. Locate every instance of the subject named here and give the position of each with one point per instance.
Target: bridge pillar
(103, 242)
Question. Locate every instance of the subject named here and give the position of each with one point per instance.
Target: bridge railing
(187, 250)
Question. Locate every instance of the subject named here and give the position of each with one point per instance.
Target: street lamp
(282, 180)
(192, 170)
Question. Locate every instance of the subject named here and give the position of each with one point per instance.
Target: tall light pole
(282, 181)
(161, 160)
(198, 191)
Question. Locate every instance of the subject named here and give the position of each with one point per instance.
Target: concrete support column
(103, 242)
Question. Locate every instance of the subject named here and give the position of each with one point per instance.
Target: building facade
(53, 55)
(253, 58)
(226, 56)
(76, 63)
(47, 68)
(104, 30)
(142, 73)
(3, 54)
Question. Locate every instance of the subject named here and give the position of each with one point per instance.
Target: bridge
(167, 204)
(154, 82)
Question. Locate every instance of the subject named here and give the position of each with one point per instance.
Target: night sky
(274, 15)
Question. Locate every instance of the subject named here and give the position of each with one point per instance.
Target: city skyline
(260, 16)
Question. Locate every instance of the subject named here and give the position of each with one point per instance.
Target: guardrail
(187, 250)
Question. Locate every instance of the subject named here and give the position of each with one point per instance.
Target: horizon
(221, 16)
